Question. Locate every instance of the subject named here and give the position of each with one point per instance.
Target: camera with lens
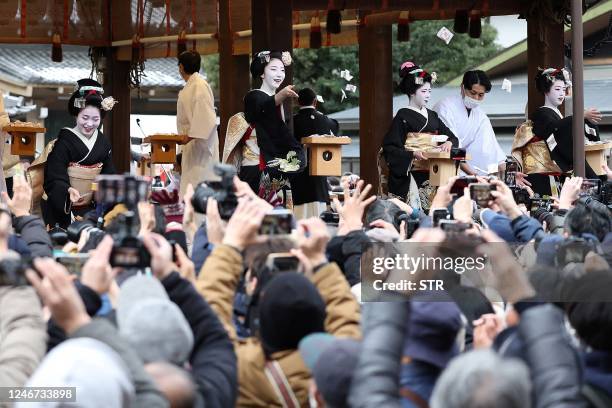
(537, 203)
(330, 217)
(222, 191)
(521, 195)
(126, 189)
(573, 250)
(128, 249)
(78, 228)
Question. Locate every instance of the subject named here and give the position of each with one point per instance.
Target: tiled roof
(32, 65)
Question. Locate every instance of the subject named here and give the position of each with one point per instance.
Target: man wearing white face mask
(463, 115)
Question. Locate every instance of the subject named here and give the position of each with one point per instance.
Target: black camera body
(222, 191)
(128, 248)
(521, 196)
(458, 153)
(126, 189)
(540, 203)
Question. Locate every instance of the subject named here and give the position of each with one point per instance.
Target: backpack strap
(281, 386)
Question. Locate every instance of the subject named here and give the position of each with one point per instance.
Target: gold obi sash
(532, 156)
(247, 153)
(81, 178)
(419, 142)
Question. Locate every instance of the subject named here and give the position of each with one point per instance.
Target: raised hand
(351, 211)
(97, 273)
(22, 197)
(57, 291)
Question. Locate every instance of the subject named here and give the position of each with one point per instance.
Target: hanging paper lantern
(334, 21)
(475, 26)
(462, 20)
(56, 49)
(403, 27)
(315, 33)
(181, 44)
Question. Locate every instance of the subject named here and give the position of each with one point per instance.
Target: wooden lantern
(325, 154)
(163, 147)
(441, 167)
(23, 138)
(595, 155)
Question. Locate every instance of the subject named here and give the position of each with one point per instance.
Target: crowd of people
(212, 320)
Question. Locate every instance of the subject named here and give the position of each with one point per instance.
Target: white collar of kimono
(422, 111)
(89, 142)
(556, 110)
(306, 107)
(192, 78)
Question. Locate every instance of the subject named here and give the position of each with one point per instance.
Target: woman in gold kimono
(543, 146)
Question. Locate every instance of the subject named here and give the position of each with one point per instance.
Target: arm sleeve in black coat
(213, 360)
(397, 157)
(33, 232)
(346, 251)
(376, 380)
(553, 362)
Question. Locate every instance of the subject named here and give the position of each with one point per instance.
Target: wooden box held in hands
(325, 154)
(23, 138)
(441, 167)
(595, 155)
(163, 147)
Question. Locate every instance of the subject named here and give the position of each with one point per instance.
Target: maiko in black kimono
(275, 141)
(70, 151)
(547, 122)
(399, 160)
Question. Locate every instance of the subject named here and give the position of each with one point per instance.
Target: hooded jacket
(217, 284)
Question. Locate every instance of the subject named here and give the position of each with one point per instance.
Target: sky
(510, 29)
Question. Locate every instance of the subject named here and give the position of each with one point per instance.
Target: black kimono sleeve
(397, 157)
(57, 181)
(107, 164)
(258, 105)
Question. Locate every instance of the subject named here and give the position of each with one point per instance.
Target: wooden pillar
(545, 49)
(117, 122)
(234, 75)
(375, 97)
(116, 84)
(272, 26)
(578, 89)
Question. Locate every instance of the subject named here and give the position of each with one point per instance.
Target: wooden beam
(234, 75)
(412, 5)
(375, 97)
(545, 49)
(272, 24)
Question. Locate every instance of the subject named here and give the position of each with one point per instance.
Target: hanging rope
(137, 65)
(23, 15)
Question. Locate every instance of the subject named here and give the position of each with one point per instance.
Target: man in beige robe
(196, 118)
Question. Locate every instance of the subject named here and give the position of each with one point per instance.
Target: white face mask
(471, 103)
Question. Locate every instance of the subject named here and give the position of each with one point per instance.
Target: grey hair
(482, 379)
